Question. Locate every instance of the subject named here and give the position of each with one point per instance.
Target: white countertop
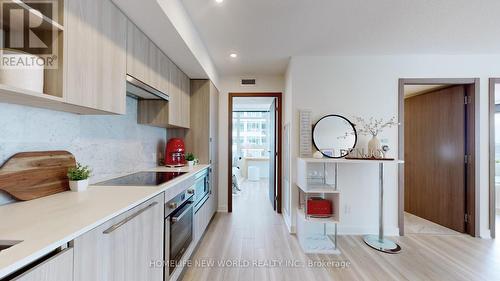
(47, 223)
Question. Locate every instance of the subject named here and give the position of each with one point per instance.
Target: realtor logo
(29, 35)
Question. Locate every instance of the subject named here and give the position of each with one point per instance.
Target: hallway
(253, 233)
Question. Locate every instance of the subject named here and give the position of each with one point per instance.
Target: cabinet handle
(127, 219)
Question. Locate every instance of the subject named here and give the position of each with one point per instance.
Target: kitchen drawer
(122, 248)
(56, 268)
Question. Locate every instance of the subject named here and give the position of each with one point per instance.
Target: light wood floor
(254, 233)
(418, 225)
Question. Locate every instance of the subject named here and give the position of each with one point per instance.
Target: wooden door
(272, 154)
(434, 157)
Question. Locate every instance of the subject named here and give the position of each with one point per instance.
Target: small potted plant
(190, 159)
(79, 177)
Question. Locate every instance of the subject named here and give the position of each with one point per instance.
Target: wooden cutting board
(31, 175)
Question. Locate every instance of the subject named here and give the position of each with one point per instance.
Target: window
(250, 134)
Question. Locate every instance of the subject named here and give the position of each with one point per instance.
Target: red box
(319, 207)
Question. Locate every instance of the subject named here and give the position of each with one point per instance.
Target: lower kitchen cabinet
(201, 219)
(124, 248)
(56, 268)
(212, 206)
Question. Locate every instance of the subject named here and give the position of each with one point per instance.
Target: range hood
(143, 91)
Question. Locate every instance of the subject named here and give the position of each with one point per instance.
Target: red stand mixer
(175, 153)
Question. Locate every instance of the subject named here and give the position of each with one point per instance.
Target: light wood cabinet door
(172, 114)
(96, 38)
(145, 61)
(179, 103)
(123, 248)
(197, 231)
(137, 53)
(214, 144)
(200, 220)
(56, 268)
(198, 137)
(185, 101)
(175, 101)
(165, 68)
(202, 138)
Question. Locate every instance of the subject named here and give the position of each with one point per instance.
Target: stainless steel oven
(178, 228)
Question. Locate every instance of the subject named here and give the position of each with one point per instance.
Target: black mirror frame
(348, 121)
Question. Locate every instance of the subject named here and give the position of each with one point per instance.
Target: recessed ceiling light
(219, 1)
(233, 55)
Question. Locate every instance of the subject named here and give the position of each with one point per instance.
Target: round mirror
(334, 136)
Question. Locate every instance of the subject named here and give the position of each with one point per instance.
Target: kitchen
(112, 100)
(116, 139)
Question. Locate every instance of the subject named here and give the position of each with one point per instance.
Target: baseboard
(222, 209)
(289, 226)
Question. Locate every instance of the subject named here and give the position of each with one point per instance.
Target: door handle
(177, 218)
(127, 219)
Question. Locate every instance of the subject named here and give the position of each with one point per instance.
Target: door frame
(279, 149)
(472, 142)
(492, 111)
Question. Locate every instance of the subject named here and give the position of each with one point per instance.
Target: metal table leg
(379, 242)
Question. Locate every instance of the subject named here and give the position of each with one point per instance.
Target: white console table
(322, 185)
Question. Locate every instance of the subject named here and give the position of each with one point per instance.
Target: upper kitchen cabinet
(179, 109)
(96, 32)
(145, 61)
(80, 56)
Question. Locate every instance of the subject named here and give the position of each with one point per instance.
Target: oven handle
(127, 219)
(177, 218)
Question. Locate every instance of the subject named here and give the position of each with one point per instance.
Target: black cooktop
(142, 179)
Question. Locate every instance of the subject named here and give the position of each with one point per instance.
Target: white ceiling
(410, 90)
(265, 33)
(151, 18)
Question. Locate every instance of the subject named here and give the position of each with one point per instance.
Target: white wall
(368, 86)
(232, 85)
(288, 191)
(112, 145)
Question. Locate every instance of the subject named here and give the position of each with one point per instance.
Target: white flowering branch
(372, 127)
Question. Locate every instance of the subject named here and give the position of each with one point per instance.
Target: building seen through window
(251, 133)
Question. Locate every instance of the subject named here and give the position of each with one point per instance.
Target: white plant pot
(190, 163)
(374, 148)
(29, 77)
(79, 186)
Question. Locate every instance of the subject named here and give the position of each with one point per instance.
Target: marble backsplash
(112, 145)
